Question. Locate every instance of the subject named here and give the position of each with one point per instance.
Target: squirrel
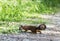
(33, 29)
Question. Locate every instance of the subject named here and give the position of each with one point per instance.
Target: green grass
(14, 10)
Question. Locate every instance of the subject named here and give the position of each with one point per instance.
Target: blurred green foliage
(15, 10)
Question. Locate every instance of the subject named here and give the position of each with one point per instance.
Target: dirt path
(52, 33)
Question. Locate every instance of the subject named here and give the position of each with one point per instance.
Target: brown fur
(33, 29)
